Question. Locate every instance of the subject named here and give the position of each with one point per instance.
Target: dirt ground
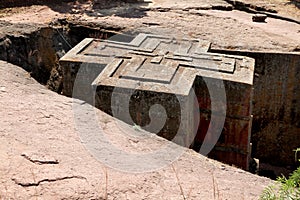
(41, 154)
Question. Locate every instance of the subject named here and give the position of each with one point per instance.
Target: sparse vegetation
(284, 188)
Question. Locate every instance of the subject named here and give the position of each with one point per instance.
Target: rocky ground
(212, 20)
(42, 155)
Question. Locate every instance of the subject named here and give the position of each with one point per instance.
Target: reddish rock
(259, 18)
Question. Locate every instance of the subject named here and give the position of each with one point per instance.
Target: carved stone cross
(167, 85)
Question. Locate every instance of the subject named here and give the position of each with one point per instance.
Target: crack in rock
(254, 9)
(40, 161)
(240, 5)
(204, 7)
(31, 184)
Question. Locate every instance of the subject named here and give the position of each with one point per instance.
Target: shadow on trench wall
(16, 3)
(276, 106)
(39, 51)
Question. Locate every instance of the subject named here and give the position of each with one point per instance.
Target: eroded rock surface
(42, 156)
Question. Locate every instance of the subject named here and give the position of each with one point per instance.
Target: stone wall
(160, 71)
(39, 48)
(37, 53)
(276, 106)
(276, 125)
(233, 144)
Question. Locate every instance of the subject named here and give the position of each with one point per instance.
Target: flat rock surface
(182, 4)
(42, 156)
(41, 153)
(205, 19)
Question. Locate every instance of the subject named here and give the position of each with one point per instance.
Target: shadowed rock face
(97, 3)
(276, 107)
(39, 48)
(111, 3)
(14, 3)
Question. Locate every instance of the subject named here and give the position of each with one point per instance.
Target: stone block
(158, 82)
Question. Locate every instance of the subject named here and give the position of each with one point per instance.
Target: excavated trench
(276, 106)
(39, 51)
(276, 110)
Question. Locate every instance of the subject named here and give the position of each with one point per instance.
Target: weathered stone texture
(37, 52)
(13, 3)
(154, 70)
(276, 106)
(112, 3)
(233, 143)
(42, 156)
(276, 125)
(259, 18)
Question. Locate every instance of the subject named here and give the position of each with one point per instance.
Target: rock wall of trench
(14, 3)
(276, 110)
(276, 106)
(38, 51)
